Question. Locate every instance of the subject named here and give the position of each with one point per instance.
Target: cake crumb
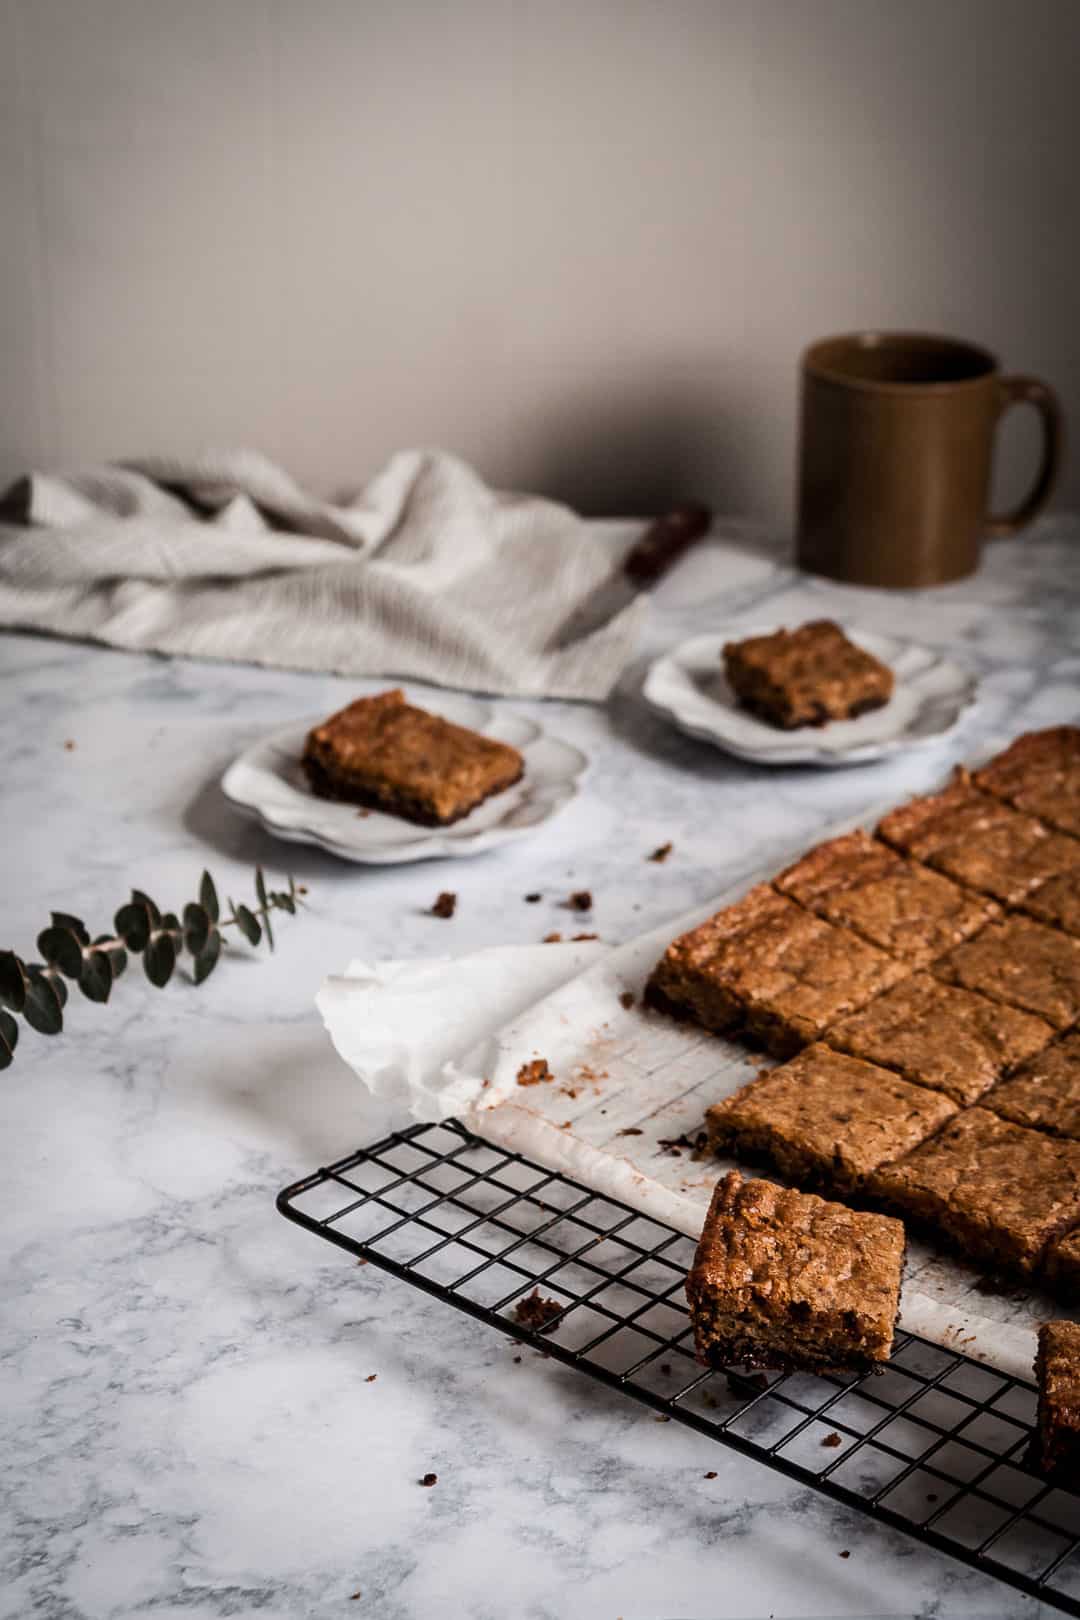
(662, 853)
(627, 999)
(445, 905)
(531, 1074)
(832, 1440)
(845, 1554)
(531, 899)
(430, 1479)
(630, 1130)
(552, 939)
(353, 1596)
(580, 900)
(69, 745)
(371, 1377)
(517, 1361)
(711, 1474)
(576, 937)
(534, 1311)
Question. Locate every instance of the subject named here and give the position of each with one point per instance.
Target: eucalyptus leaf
(61, 948)
(44, 1007)
(96, 978)
(172, 922)
(159, 960)
(207, 959)
(142, 899)
(248, 924)
(196, 928)
(132, 923)
(286, 903)
(9, 1039)
(40, 970)
(12, 981)
(64, 919)
(260, 885)
(208, 897)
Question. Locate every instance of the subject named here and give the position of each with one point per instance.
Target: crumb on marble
(430, 1479)
(445, 905)
(845, 1553)
(630, 1130)
(69, 745)
(552, 939)
(711, 1474)
(580, 900)
(531, 1074)
(627, 999)
(531, 899)
(577, 937)
(661, 854)
(371, 1377)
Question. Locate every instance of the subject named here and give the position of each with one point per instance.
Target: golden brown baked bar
(1023, 964)
(382, 753)
(980, 841)
(1040, 773)
(862, 884)
(825, 1120)
(1044, 1093)
(992, 1190)
(936, 1035)
(769, 970)
(1057, 903)
(806, 677)
(1057, 1373)
(783, 1279)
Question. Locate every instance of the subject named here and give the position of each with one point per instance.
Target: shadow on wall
(619, 450)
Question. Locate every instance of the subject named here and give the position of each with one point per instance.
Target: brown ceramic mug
(896, 443)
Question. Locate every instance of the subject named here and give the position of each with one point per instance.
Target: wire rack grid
(936, 1446)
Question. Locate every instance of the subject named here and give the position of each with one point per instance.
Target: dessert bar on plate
(937, 1035)
(825, 1121)
(382, 753)
(784, 1279)
(806, 677)
(770, 970)
(1057, 1372)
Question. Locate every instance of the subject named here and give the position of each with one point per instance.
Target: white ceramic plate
(931, 694)
(266, 782)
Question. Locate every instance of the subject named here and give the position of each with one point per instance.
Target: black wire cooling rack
(936, 1445)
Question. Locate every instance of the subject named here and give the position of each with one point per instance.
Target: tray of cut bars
(887, 1022)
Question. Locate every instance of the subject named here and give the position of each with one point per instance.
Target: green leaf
(142, 899)
(44, 1002)
(63, 919)
(172, 922)
(116, 954)
(248, 925)
(208, 897)
(196, 928)
(9, 1039)
(159, 960)
(95, 980)
(12, 981)
(260, 885)
(207, 959)
(61, 949)
(286, 903)
(132, 923)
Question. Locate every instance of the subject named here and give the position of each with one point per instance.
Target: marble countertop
(189, 1428)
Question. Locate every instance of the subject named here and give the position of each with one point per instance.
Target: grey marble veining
(188, 1430)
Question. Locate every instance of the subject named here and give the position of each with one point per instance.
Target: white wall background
(579, 241)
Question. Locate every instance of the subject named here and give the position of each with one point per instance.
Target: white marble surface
(187, 1426)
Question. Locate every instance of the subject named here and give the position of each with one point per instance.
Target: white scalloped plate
(267, 782)
(688, 687)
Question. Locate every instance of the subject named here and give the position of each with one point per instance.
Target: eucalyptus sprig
(38, 992)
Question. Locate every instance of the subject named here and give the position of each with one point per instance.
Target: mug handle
(1029, 391)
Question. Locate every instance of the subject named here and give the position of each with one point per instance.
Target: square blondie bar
(1057, 1373)
(1040, 773)
(908, 910)
(980, 842)
(1044, 1093)
(806, 677)
(937, 1035)
(767, 969)
(1057, 903)
(1023, 964)
(992, 1190)
(784, 1279)
(825, 1120)
(384, 754)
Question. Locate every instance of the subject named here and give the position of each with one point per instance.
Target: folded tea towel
(425, 573)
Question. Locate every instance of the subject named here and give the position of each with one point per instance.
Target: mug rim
(815, 365)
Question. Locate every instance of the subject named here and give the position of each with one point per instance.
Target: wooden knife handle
(665, 541)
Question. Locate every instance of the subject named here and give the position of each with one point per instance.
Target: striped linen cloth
(426, 573)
